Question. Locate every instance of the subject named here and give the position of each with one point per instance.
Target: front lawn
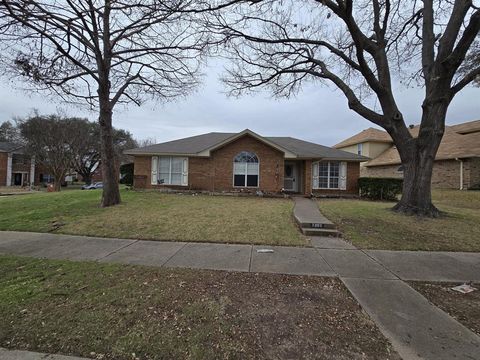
(110, 311)
(372, 225)
(155, 216)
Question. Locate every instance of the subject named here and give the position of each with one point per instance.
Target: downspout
(461, 172)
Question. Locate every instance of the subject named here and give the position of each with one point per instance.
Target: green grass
(110, 311)
(156, 216)
(372, 225)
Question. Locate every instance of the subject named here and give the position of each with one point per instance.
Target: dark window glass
(239, 180)
(252, 180)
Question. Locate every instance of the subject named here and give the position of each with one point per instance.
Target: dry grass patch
(463, 307)
(372, 225)
(115, 311)
(156, 216)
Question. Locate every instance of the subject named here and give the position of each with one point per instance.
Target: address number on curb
(316, 225)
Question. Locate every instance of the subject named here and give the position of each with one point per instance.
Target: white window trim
(246, 174)
(156, 171)
(317, 177)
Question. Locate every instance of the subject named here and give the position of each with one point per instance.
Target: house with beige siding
(457, 163)
(246, 162)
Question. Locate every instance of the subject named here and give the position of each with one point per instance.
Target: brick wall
(271, 163)
(446, 173)
(471, 177)
(216, 173)
(3, 168)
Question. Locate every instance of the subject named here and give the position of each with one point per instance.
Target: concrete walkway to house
(416, 328)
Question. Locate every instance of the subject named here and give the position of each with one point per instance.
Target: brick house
(246, 162)
(18, 169)
(457, 163)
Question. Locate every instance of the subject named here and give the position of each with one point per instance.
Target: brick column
(308, 177)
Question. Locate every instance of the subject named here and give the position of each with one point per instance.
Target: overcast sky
(317, 114)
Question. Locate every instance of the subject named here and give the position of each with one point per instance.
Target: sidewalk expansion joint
(117, 250)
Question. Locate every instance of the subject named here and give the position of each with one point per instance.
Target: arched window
(245, 170)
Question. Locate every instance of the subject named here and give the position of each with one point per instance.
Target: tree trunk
(58, 178)
(111, 192)
(87, 179)
(416, 194)
(418, 157)
(57, 185)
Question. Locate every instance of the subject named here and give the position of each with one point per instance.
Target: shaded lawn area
(371, 225)
(80, 308)
(155, 216)
(465, 308)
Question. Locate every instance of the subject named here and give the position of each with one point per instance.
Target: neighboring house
(457, 163)
(246, 161)
(15, 167)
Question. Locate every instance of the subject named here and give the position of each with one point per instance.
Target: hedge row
(380, 188)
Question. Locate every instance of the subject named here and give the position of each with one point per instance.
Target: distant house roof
(453, 146)
(9, 146)
(467, 127)
(201, 145)
(370, 134)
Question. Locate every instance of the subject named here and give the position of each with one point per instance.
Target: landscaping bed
(155, 216)
(465, 308)
(110, 311)
(372, 224)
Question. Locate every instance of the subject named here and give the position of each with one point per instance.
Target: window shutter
(185, 172)
(154, 170)
(342, 181)
(315, 184)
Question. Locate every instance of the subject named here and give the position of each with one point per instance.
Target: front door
(290, 178)
(17, 179)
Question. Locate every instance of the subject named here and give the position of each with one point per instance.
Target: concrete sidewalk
(329, 257)
(6, 354)
(416, 328)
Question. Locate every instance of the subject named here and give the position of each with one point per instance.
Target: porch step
(321, 232)
(316, 225)
(311, 221)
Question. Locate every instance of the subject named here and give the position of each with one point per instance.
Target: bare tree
(104, 53)
(359, 47)
(87, 153)
(51, 140)
(9, 132)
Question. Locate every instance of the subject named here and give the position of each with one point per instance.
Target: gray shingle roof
(196, 144)
(189, 146)
(9, 146)
(306, 149)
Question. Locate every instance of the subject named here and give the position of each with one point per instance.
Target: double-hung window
(245, 170)
(169, 170)
(326, 175)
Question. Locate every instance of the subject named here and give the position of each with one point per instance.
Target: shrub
(380, 188)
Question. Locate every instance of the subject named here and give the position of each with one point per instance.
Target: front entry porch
(293, 177)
